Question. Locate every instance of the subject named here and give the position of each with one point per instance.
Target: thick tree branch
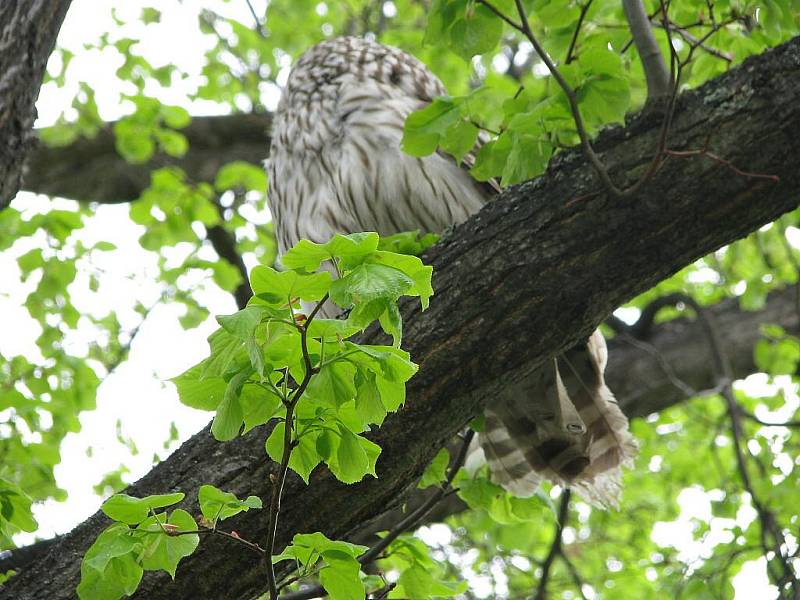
(90, 170)
(28, 33)
(526, 278)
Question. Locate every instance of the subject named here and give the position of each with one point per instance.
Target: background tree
(718, 459)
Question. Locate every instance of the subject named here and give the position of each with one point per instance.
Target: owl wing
(560, 422)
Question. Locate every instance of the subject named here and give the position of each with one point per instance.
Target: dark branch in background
(91, 170)
(28, 32)
(659, 79)
(556, 549)
(525, 268)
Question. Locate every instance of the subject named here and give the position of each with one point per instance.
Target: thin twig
(288, 446)
(576, 33)
(259, 24)
(722, 161)
(555, 547)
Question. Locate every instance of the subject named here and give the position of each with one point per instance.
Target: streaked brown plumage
(336, 167)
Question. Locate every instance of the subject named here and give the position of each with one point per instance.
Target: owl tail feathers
(562, 424)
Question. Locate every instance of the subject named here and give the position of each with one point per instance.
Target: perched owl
(336, 167)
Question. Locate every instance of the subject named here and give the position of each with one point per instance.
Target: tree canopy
(670, 206)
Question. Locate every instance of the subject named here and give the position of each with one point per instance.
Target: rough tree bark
(28, 33)
(527, 277)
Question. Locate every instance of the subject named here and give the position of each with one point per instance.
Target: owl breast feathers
(336, 166)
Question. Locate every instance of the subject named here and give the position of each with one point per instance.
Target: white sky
(136, 393)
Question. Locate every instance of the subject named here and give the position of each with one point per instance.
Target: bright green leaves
(278, 359)
(424, 128)
(369, 282)
(281, 287)
(340, 571)
(114, 564)
(445, 122)
(481, 494)
(602, 86)
(217, 505)
(435, 472)
(150, 127)
(421, 576)
(467, 27)
(164, 551)
(130, 510)
(169, 207)
(240, 175)
(350, 250)
(777, 353)
(109, 569)
(15, 512)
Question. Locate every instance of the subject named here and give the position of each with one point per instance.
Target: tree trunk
(28, 33)
(530, 275)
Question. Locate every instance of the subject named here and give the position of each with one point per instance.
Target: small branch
(752, 417)
(555, 547)
(722, 161)
(230, 536)
(659, 79)
(692, 40)
(259, 24)
(288, 446)
(576, 33)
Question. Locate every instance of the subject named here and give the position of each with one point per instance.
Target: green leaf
(417, 583)
(230, 415)
(241, 174)
(350, 249)
(109, 570)
(15, 507)
(436, 471)
(196, 392)
(368, 282)
(304, 456)
(340, 575)
(278, 287)
(333, 384)
(225, 350)
(218, 505)
(162, 551)
(127, 509)
(459, 139)
(259, 405)
(424, 128)
(477, 33)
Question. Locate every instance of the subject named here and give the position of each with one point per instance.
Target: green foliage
(218, 505)
(262, 353)
(15, 512)
(114, 564)
(501, 95)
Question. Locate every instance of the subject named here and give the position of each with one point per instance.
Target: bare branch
(659, 80)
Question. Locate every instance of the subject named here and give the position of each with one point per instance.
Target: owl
(336, 166)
